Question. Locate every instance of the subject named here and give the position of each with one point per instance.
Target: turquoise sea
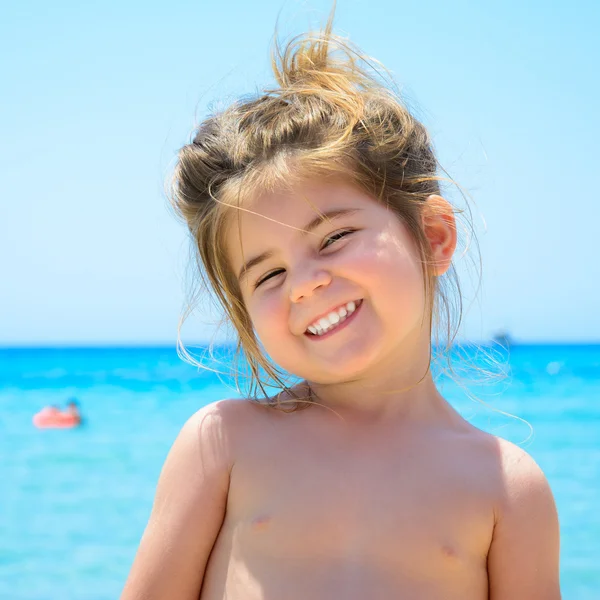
(73, 503)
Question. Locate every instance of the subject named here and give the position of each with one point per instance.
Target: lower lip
(318, 338)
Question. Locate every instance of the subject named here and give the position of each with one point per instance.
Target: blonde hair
(331, 115)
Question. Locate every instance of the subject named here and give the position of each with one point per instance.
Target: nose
(303, 285)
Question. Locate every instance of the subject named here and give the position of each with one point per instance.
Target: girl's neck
(401, 388)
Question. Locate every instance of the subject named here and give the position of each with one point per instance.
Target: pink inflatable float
(51, 417)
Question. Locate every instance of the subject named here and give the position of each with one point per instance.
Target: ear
(439, 226)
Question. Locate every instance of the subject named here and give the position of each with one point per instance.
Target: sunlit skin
(379, 490)
(364, 255)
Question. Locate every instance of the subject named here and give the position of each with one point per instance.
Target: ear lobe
(439, 226)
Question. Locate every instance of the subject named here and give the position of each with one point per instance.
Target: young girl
(317, 215)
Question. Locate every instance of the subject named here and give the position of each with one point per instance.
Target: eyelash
(338, 235)
(334, 237)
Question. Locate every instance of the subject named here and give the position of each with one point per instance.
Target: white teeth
(333, 319)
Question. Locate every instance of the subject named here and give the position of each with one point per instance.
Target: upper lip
(324, 314)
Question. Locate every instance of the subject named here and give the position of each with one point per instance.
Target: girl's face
(330, 298)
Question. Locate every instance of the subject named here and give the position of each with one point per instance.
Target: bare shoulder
(514, 463)
(204, 453)
(221, 423)
(220, 413)
(523, 560)
(227, 425)
(189, 505)
(518, 472)
(513, 477)
(522, 477)
(217, 417)
(523, 548)
(508, 472)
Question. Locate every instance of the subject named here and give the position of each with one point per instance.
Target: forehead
(281, 213)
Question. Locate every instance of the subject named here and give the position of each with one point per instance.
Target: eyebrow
(330, 215)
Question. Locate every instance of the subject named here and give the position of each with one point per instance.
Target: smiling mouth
(333, 321)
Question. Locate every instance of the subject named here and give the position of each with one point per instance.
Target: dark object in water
(504, 339)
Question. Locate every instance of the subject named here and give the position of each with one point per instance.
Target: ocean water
(74, 503)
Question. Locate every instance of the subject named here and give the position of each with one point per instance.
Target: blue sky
(98, 97)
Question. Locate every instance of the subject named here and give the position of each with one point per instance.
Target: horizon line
(205, 344)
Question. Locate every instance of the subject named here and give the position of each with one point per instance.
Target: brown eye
(334, 237)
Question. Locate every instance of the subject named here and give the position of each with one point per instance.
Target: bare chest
(397, 508)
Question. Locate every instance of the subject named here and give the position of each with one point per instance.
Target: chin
(348, 372)
(347, 365)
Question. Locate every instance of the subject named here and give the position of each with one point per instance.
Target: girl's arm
(523, 561)
(188, 511)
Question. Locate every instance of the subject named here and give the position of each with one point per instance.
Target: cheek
(391, 273)
(269, 318)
